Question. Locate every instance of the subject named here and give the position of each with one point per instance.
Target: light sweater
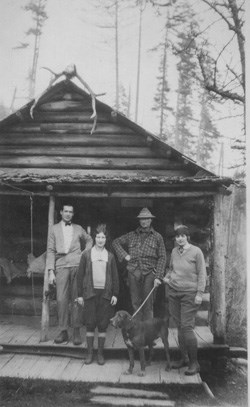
(187, 270)
(99, 259)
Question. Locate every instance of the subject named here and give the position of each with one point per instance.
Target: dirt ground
(227, 381)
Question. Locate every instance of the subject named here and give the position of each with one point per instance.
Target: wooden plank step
(71, 371)
(131, 401)
(66, 368)
(13, 364)
(121, 391)
(41, 364)
(23, 370)
(5, 358)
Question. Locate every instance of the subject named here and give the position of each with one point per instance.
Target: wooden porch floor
(20, 330)
(24, 356)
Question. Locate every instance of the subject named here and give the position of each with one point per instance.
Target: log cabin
(108, 176)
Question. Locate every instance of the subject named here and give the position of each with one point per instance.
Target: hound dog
(138, 334)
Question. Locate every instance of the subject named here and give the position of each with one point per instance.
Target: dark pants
(140, 286)
(183, 310)
(66, 292)
(98, 312)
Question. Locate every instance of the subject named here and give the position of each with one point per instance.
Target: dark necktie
(67, 223)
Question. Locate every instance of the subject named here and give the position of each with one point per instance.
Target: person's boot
(76, 336)
(90, 342)
(192, 347)
(193, 368)
(184, 360)
(100, 357)
(62, 337)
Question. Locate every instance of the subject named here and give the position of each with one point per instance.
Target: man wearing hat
(145, 253)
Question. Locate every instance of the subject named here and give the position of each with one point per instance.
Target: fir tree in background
(161, 99)
(125, 100)
(209, 136)
(187, 85)
(39, 16)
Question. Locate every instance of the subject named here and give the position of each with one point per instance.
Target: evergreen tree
(186, 67)
(161, 99)
(39, 16)
(124, 101)
(208, 134)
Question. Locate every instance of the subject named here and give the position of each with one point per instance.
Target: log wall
(58, 138)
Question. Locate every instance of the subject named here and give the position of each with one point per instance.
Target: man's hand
(80, 301)
(52, 277)
(157, 282)
(128, 257)
(198, 299)
(113, 300)
(166, 279)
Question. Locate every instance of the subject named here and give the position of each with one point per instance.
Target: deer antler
(69, 72)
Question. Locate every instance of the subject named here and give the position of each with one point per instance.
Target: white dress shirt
(67, 236)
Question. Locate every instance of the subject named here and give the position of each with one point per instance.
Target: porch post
(45, 305)
(218, 281)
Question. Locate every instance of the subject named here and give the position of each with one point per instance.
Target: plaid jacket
(148, 256)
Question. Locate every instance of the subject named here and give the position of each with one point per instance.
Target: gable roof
(56, 147)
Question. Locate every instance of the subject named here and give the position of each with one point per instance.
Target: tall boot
(100, 357)
(90, 342)
(184, 360)
(192, 348)
(77, 336)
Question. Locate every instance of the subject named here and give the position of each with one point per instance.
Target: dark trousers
(66, 292)
(140, 286)
(98, 311)
(183, 310)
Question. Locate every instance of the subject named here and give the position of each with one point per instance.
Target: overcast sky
(71, 35)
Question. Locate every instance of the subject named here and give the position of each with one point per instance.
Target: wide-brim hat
(145, 214)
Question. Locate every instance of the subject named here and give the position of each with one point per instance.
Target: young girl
(98, 287)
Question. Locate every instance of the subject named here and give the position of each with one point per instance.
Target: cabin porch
(24, 356)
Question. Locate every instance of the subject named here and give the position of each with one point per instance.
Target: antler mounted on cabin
(69, 72)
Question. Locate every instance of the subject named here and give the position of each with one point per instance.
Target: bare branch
(212, 86)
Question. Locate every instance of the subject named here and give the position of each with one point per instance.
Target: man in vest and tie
(63, 256)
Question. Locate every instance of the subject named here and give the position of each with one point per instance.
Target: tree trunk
(116, 56)
(218, 284)
(138, 66)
